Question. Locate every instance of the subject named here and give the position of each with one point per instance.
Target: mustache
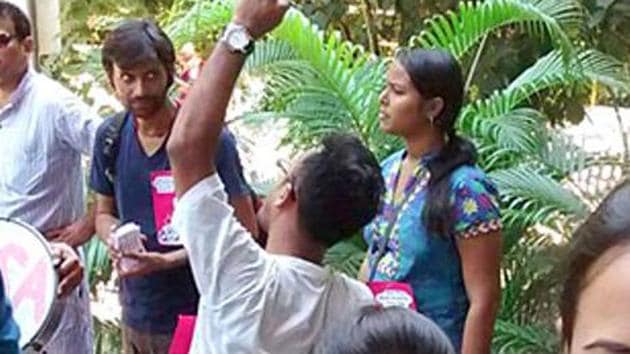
(146, 99)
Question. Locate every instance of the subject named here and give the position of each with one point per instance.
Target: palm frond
(346, 256)
(97, 263)
(531, 196)
(312, 77)
(549, 72)
(199, 23)
(520, 131)
(459, 31)
(563, 157)
(604, 69)
(512, 338)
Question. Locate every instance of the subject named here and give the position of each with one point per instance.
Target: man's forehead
(6, 25)
(138, 66)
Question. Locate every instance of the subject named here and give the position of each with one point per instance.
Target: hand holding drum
(37, 274)
(68, 266)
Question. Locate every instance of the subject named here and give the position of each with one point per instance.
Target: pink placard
(391, 293)
(163, 194)
(182, 338)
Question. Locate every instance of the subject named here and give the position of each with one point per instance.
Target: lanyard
(419, 175)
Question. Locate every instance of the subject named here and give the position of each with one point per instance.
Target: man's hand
(260, 16)
(145, 263)
(69, 268)
(75, 234)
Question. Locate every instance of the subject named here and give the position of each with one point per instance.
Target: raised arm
(193, 141)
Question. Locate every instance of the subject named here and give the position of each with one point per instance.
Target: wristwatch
(237, 38)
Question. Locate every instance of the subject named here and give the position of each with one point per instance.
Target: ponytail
(436, 73)
(457, 152)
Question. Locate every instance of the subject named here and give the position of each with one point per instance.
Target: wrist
(237, 38)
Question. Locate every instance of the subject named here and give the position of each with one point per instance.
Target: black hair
(605, 228)
(18, 17)
(134, 42)
(436, 73)
(338, 189)
(379, 330)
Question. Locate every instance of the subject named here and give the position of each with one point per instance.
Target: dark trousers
(135, 342)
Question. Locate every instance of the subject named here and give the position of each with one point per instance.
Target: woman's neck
(422, 144)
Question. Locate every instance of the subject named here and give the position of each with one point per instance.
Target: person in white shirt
(279, 300)
(44, 130)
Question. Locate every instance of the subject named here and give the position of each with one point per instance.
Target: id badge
(163, 194)
(391, 293)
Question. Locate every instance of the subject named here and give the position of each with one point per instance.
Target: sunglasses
(5, 39)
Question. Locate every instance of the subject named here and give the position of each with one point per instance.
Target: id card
(163, 194)
(391, 293)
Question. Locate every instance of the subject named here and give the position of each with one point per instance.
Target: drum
(28, 270)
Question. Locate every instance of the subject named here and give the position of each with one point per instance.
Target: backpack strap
(112, 144)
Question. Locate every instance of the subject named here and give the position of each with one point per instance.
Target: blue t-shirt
(151, 303)
(9, 333)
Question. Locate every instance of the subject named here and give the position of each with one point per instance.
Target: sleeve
(98, 179)
(475, 207)
(226, 262)
(76, 123)
(9, 332)
(228, 164)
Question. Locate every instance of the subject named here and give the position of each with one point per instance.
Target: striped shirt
(44, 130)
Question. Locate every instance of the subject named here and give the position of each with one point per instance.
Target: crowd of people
(428, 213)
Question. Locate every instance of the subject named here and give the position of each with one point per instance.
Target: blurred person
(378, 330)
(44, 131)
(594, 305)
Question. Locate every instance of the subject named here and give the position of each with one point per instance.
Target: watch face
(239, 39)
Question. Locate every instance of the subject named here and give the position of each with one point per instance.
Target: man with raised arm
(278, 300)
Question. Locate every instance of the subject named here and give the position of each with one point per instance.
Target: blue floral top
(431, 263)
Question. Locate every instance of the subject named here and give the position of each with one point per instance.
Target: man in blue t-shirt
(136, 185)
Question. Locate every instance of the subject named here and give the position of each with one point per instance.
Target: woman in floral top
(439, 229)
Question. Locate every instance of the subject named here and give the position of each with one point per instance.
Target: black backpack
(112, 143)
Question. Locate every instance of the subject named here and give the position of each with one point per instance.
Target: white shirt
(252, 301)
(44, 129)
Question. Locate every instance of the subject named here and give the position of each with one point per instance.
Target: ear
(434, 107)
(284, 196)
(110, 78)
(28, 44)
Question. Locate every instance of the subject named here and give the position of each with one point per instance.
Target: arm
(77, 233)
(363, 275)
(149, 262)
(244, 212)
(193, 142)
(481, 258)
(229, 168)
(77, 123)
(105, 216)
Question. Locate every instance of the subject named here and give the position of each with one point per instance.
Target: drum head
(29, 277)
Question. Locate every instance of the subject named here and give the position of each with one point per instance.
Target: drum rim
(44, 333)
